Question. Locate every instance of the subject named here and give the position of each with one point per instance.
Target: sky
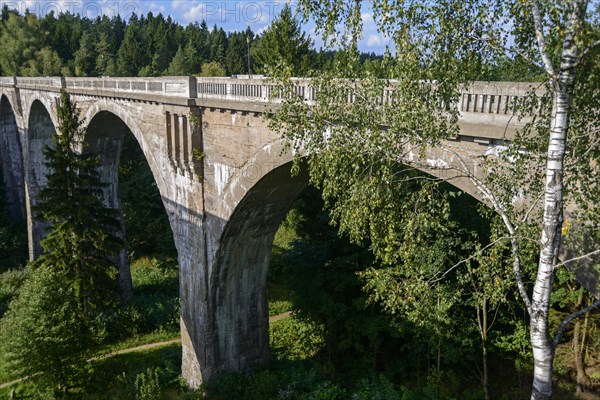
(231, 15)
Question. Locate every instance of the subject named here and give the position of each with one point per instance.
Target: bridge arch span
(253, 203)
(241, 266)
(40, 130)
(12, 100)
(437, 163)
(104, 112)
(33, 100)
(264, 161)
(108, 129)
(12, 171)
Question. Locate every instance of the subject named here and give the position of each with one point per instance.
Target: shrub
(147, 386)
(10, 284)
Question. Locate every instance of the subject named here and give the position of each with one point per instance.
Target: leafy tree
(44, 331)
(212, 69)
(284, 42)
(356, 162)
(82, 242)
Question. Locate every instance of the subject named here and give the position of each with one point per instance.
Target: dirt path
(143, 347)
(279, 317)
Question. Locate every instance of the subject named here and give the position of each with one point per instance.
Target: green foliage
(11, 283)
(212, 69)
(20, 42)
(356, 143)
(139, 375)
(185, 62)
(147, 386)
(237, 51)
(284, 43)
(82, 241)
(149, 45)
(155, 306)
(44, 331)
(292, 339)
(13, 236)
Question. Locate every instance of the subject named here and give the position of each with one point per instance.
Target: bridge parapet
(487, 109)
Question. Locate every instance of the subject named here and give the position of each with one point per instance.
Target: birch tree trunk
(563, 83)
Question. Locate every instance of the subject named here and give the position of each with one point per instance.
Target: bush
(294, 339)
(155, 305)
(44, 331)
(147, 386)
(378, 388)
(10, 284)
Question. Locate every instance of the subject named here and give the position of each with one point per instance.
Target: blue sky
(231, 15)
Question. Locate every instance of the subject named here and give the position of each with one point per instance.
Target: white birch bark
(563, 83)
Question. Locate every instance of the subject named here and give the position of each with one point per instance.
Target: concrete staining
(224, 179)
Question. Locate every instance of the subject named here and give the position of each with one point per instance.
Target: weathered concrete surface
(40, 130)
(224, 179)
(104, 137)
(11, 160)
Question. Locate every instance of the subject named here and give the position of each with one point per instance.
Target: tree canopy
(358, 150)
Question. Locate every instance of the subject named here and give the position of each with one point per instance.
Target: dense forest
(152, 45)
(339, 342)
(146, 45)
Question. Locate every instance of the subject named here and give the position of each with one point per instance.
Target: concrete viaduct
(224, 179)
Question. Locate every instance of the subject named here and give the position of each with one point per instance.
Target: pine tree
(104, 55)
(132, 57)
(85, 57)
(284, 42)
(237, 51)
(82, 242)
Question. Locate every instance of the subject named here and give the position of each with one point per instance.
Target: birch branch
(539, 34)
(588, 255)
(506, 220)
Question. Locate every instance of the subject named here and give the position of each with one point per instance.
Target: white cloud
(375, 40)
(157, 8)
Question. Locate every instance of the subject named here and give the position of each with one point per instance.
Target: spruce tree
(82, 242)
(284, 42)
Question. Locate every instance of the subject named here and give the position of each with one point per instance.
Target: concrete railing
(479, 98)
(165, 86)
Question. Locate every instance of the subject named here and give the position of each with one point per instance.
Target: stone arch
(270, 157)
(108, 109)
(255, 201)
(40, 130)
(11, 160)
(437, 163)
(241, 265)
(104, 136)
(35, 99)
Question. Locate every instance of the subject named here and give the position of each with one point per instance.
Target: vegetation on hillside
(371, 316)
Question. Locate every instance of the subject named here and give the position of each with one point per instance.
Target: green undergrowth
(118, 377)
(155, 307)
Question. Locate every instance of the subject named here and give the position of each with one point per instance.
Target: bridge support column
(223, 265)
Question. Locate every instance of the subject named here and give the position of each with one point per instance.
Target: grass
(114, 377)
